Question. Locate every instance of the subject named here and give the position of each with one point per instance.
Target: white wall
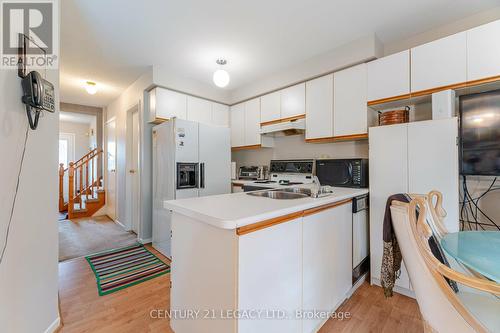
(29, 272)
(83, 140)
(295, 147)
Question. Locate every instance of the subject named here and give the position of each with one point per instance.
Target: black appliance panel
(187, 175)
(343, 172)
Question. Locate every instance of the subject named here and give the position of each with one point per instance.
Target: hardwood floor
(84, 236)
(128, 310)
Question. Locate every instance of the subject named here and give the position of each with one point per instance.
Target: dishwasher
(360, 238)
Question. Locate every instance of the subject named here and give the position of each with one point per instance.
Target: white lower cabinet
(411, 158)
(270, 277)
(327, 268)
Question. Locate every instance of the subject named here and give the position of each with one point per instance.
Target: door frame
(105, 173)
(128, 179)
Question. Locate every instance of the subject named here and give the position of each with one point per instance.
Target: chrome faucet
(317, 187)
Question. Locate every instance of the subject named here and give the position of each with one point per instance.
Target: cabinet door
(237, 119)
(199, 110)
(350, 115)
(388, 76)
(433, 163)
(327, 269)
(293, 101)
(439, 63)
(270, 276)
(252, 122)
(220, 114)
(319, 107)
(270, 107)
(388, 175)
(483, 51)
(166, 104)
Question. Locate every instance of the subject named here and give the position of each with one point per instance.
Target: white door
(270, 273)
(293, 101)
(319, 107)
(349, 101)
(439, 63)
(66, 155)
(134, 173)
(237, 121)
(388, 76)
(220, 114)
(252, 122)
(483, 51)
(270, 107)
(388, 175)
(215, 160)
(111, 169)
(199, 110)
(433, 163)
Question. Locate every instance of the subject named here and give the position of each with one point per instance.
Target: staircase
(81, 191)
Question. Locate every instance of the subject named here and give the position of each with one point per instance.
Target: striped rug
(121, 268)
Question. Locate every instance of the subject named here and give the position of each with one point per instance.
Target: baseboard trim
(122, 225)
(54, 326)
(145, 241)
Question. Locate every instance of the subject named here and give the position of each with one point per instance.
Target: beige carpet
(81, 237)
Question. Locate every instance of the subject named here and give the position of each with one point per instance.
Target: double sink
(291, 193)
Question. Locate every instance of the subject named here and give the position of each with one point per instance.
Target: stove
(285, 173)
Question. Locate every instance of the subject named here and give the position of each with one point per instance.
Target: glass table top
(479, 250)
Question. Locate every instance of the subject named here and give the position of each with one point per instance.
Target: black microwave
(351, 172)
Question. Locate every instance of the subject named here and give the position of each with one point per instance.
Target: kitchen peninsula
(246, 263)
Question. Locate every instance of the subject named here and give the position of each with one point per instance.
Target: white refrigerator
(190, 159)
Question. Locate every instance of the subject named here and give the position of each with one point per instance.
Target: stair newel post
(99, 165)
(87, 178)
(61, 187)
(92, 178)
(71, 189)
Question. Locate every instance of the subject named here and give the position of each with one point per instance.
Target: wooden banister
(81, 179)
(61, 187)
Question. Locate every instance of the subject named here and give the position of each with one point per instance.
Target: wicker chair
(475, 307)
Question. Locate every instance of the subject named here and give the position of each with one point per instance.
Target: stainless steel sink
(278, 194)
(305, 191)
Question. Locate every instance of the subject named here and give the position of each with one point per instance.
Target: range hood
(285, 128)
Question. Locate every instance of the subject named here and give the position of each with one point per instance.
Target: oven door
(334, 172)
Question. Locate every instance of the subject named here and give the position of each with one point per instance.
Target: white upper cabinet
(350, 115)
(293, 101)
(439, 63)
(220, 114)
(483, 51)
(270, 107)
(319, 107)
(199, 110)
(237, 116)
(166, 104)
(388, 76)
(252, 122)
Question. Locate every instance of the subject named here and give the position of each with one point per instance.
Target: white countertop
(230, 211)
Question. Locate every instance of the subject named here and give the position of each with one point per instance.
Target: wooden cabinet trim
(316, 210)
(282, 120)
(388, 99)
(245, 147)
(467, 84)
(285, 218)
(361, 136)
(267, 223)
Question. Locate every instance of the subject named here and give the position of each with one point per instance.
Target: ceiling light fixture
(221, 77)
(91, 87)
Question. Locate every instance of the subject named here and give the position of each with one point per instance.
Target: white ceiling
(74, 117)
(112, 42)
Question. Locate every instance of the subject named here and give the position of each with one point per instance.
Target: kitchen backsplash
(293, 147)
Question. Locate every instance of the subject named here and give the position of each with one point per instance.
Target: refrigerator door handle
(202, 175)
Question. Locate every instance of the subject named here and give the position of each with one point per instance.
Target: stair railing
(82, 179)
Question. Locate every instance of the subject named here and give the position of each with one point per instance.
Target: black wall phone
(38, 95)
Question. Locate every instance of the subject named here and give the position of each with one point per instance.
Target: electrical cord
(15, 194)
(471, 205)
